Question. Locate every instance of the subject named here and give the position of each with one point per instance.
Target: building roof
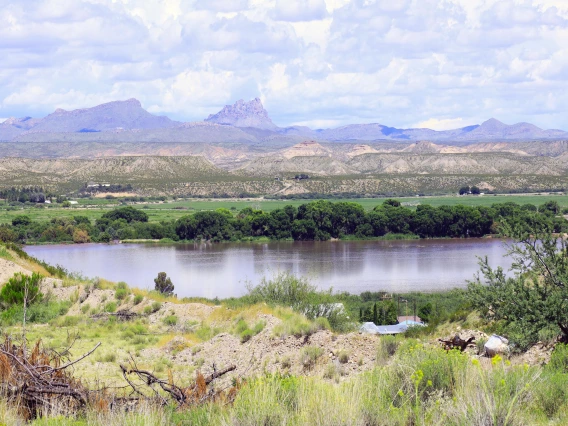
(413, 318)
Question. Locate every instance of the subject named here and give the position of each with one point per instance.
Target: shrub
(343, 357)
(110, 307)
(296, 325)
(310, 355)
(21, 287)
(156, 306)
(170, 320)
(246, 335)
(559, 359)
(284, 289)
(551, 393)
(121, 294)
(70, 321)
(138, 298)
(387, 347)
(258, 327)
(147, 310)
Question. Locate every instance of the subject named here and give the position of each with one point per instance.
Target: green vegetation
(163, 284)
(531, 304)
(421, 386)
(317, 220)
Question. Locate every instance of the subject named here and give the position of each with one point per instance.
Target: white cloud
(436, 63)
(443, 124)
(299, 10)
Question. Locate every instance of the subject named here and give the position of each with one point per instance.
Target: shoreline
(399, 237)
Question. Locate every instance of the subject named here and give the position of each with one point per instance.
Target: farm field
(160, 211)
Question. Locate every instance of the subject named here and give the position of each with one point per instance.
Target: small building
(404, 318)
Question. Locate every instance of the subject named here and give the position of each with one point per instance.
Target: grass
(171, 210)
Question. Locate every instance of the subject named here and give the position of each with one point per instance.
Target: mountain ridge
(119, 121)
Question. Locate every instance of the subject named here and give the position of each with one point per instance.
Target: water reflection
(222, 270)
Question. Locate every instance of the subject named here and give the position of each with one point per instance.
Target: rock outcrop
(244, 114)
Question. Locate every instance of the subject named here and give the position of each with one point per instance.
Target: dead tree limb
(457, 343)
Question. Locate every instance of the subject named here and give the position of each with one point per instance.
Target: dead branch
(196, 393)
(457, 343)
(122, 315)
(35, 380)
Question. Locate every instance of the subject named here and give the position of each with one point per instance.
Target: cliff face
(244, 114)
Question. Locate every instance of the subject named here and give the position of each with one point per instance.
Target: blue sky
(433, 63)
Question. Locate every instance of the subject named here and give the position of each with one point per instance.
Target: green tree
(21, 220)
(464, 190)
(163, 284)
(550, 207)
(535, 298)
(21, 289)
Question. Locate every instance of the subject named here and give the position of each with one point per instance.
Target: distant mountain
(244, 114)
(493, 129)
(110, 116)
(123, 121)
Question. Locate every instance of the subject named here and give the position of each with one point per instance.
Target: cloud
(299, 10)
(437, 63)
(442, 124)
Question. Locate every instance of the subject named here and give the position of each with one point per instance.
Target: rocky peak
(244, 114)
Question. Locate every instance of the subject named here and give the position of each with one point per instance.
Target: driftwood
(145, 385)
(457, 343)
(122, 315)
(38, 380)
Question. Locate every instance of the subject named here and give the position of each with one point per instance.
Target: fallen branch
(457, 343)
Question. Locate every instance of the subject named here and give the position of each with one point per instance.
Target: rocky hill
(244, 114)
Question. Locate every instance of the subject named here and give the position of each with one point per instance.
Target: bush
(297, 326)
(121, 294)
(284, 289)
(40, 313)
(156, 306)
(21, 287)
(246, 335)
(387, 347)
(110, 307)
(343, 357)
(559, 359)
(310, 355)
(138, 298)
(170, 320)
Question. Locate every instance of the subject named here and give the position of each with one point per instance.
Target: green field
(158, 211)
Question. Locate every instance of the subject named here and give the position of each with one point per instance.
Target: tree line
(314, 221)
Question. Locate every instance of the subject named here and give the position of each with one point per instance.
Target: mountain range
(242, 122)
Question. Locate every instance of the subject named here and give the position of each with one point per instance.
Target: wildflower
(496, 359)
(475, 362)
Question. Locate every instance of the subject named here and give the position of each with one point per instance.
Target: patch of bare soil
(8, 269)
(339, 356)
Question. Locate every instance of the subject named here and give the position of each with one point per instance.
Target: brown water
(222, 270)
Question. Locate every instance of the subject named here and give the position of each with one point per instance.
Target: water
(222, 270)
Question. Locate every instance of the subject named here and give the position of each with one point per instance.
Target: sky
(323, 63)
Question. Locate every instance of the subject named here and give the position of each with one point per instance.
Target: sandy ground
(8, 269)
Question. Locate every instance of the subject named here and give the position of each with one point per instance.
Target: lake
(222, 270)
